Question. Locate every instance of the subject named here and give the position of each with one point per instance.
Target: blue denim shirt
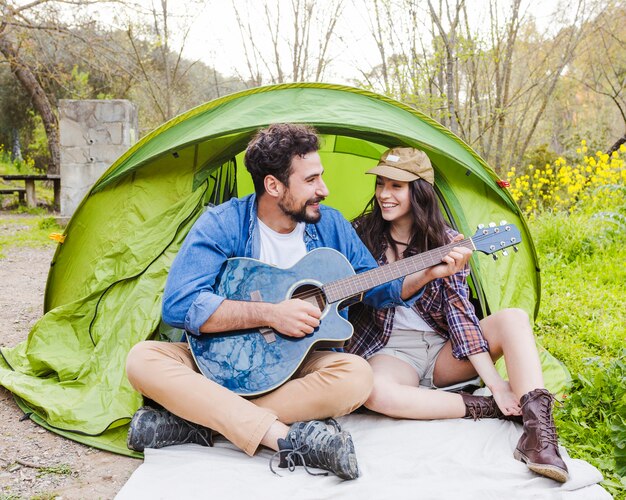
(230, 230)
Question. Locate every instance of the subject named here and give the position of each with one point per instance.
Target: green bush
(582, 322)
(592, 420)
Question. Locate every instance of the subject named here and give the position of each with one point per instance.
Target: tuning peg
(505, 253)
(480, 226)
(495, 257)
(515, 249)
(492, 224)
(503, 222)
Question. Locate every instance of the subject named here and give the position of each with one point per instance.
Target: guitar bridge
(268, 333)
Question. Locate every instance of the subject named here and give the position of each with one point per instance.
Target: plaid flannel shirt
(444, 305)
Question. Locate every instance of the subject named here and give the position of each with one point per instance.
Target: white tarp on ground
(399, 459)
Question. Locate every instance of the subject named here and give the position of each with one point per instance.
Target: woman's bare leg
(508, 333)
(397, 393)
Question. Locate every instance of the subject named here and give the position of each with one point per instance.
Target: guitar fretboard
(344, 288)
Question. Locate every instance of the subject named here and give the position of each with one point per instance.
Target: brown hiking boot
(538, 447)
(478, 407)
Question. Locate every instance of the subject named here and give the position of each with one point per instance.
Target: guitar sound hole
(312, 294)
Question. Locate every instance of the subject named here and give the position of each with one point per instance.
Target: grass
(583, 323)
(583, 276)
(62, 469)
(8, 166)
(31, 232)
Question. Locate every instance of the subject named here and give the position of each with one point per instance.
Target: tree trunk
(450, 82)
(449, 41)
(16, 147)
(40, 101)
(377, 34)
(503, 99)
(618, 143)
(476, 108)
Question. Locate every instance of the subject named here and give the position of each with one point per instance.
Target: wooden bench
(29, 183)
(10, 190)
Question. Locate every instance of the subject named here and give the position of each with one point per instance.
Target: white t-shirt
(281, 250)
(406, 318)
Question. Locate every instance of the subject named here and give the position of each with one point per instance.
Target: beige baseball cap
(404, 164)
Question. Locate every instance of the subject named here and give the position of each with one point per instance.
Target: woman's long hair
(429, 226)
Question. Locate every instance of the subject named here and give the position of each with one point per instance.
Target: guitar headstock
(491, 239)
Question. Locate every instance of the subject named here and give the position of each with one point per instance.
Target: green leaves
(592, 420)
(618, 431)
(619, 438)
(583, 323)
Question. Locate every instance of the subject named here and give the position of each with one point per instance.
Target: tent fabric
(70, 371)
(104, 288)
(200, 141)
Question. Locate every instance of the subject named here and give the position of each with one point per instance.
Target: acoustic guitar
(255, 361)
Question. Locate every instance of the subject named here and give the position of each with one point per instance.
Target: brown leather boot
(538, 447)
(478, 407)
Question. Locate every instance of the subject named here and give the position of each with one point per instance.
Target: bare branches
(449, 39)
(57, 49)
(492, 79)
(570, 39)
(325, 41)
(601, 64)
(303, 36)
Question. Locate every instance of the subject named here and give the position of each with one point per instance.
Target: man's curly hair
(271, 150)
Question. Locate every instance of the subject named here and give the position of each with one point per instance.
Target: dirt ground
(35, 463)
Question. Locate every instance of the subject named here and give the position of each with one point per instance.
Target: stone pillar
(93, 134)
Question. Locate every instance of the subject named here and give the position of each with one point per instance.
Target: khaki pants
(328, 384)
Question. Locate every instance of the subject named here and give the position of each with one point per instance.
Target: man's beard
(300, 214)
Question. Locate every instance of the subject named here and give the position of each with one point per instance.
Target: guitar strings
(314, 293)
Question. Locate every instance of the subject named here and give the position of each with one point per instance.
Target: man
(278, 225)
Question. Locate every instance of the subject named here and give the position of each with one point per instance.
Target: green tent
(106, 280)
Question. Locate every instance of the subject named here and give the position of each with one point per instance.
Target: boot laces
(200, 438)
(318, 454)
(180, 431)
(478, 409)
(475, 410)
(293, 458)
(547, 429)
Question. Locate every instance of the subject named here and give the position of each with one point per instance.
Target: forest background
(537, 88)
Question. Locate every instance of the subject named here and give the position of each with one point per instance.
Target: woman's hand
(452, 263)
(506, 400)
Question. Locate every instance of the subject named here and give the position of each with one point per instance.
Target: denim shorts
(417, 348)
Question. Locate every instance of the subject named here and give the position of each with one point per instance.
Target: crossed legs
(328, 384)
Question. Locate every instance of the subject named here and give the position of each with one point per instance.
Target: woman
(428, 345)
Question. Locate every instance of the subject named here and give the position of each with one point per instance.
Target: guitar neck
(344, 288)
